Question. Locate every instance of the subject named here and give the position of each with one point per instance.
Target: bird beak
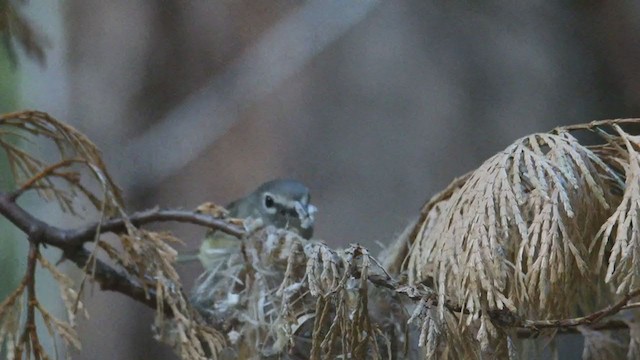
(306, 214)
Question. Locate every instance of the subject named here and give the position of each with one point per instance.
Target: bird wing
(217, 245)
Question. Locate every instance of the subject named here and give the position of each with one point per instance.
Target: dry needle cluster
(541, 239)
(283, 296)
(546, 229)
(67, 168)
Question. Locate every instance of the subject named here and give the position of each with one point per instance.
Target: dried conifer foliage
(541, 239)
(60, 164)
(546, 229)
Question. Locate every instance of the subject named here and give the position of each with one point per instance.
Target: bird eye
(268, 201)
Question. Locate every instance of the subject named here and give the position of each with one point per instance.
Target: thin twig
(595, 124)
(118, 225)
(49, 170)
(505, 318)
(631, 306)
(525, 333)
(583, 320)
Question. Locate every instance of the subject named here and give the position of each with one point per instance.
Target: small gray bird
(284, 204)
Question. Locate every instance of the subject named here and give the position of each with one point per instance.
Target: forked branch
(71, 241)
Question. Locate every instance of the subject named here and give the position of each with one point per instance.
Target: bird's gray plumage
(284, 204)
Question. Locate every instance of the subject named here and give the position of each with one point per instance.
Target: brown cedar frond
(70, 298)
(73, 148)
(147, 256)
(509, 229)
(620, 231)
(10, 312)
(538, 236)
(510, 243)
(19, 332)
(516, 234)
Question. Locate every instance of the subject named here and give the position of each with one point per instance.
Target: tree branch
(507, 319)
(49, 170)
(71, 241)
(29, 337)
(63, 239)
(118, 225)
(525, 333)
(583, 320)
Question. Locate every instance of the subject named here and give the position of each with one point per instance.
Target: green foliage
(9, 264)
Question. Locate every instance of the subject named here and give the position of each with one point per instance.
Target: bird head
(282, 203)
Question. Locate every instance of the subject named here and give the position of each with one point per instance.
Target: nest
(282, 296)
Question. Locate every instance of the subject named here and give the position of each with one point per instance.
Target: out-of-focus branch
(279, 54)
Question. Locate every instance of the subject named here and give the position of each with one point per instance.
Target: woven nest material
(281, 295)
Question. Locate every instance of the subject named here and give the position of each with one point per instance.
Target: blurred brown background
(375, 105)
